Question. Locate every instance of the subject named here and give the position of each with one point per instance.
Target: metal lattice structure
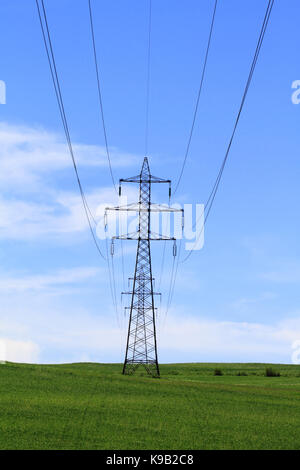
(141, 347)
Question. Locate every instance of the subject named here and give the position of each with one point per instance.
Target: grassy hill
(92, 406)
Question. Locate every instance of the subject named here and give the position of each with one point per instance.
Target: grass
(270, 372)
(92, 406)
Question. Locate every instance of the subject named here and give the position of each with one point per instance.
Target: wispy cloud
(28, 153)
(40, 282)
(286, 273)
(62, 213)
(31, 206)
(239, 339)
(248, 301)
(74, 332)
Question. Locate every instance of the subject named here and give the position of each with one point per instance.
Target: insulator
(169, 191)
(182, 220)
(112, 248)
(174, 249)
(120, 190)
(105, 221)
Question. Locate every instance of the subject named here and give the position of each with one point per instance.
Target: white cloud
(30, 321)
(27, 157)
(27, 154)
(195, 340)
(63, 213)
(235, 341)
(42, 282)
(72, 332)
(18, 351)
(65, 329)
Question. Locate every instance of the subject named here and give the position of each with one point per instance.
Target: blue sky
(235, 300)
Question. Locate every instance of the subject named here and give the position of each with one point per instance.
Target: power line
(148, 79)
(56, 84)
(174, 270)
(213, 192)
(252, 68)
(112, 284)
(198, 97)
(162, 264)
(172, 284)
(100, 94)
(103, 118)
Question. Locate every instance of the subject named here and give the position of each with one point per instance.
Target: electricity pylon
(141, 347)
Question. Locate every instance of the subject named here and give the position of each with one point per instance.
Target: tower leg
(141, 348)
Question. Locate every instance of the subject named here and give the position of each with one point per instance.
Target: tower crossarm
(131, 292)
(140, 179)
(137, 207)
(144, 178)
(138, 236)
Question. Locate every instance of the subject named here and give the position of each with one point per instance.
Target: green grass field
(92, 406)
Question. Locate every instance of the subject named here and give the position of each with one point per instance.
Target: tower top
(145, 172)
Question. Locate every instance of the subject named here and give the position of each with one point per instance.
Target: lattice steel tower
(141, 347)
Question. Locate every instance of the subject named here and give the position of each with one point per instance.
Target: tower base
(151, 368)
